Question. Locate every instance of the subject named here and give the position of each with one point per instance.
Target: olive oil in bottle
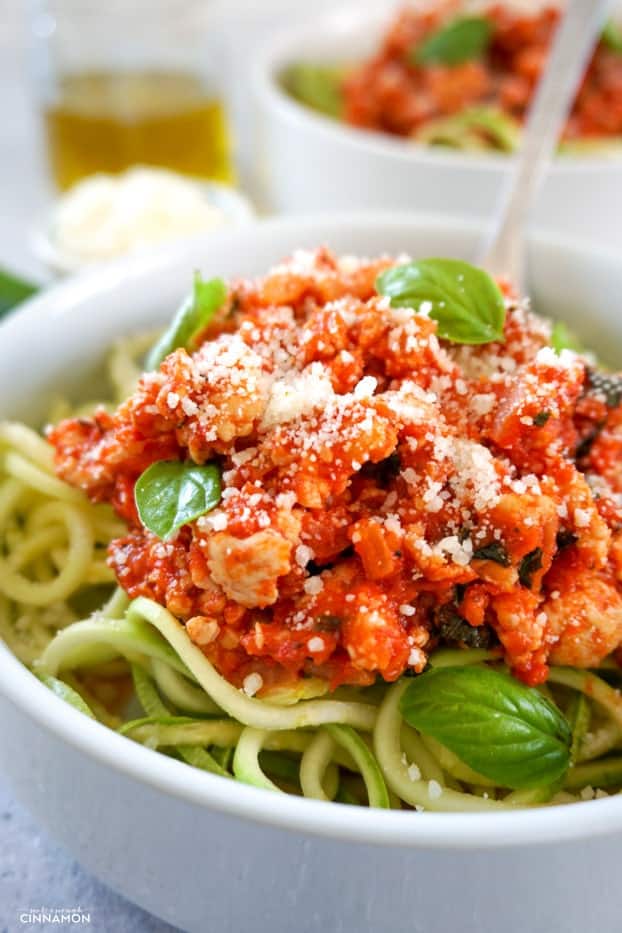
(104, 121)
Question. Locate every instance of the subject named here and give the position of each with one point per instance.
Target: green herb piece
(494, 551)
(465, 301)
(192, 318)
(541, 418)
(328, 622)
(565, 538)
(316, 86)
(562, 338)
(508, 732)
(606, 385)
(13, 291)
(64, 692)
(462, 40)
(170, 494)
(612, 36)
(454, 629)
(529, 565)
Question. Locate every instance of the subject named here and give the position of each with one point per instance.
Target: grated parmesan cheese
(582, 518)
(313, 586)
(252, 684)
(434, 790)
(297, 394)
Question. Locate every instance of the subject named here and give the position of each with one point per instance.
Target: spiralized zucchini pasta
(352, 530)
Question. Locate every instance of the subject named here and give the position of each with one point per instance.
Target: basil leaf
(66, 693)
(13, 291)
(170, 494)
(529, 565)
(508, 732)
(194, 315)
(460, 41)
(465, 301)
(612, 37)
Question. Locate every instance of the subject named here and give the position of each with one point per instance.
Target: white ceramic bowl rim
(284, 47)
(338, 821)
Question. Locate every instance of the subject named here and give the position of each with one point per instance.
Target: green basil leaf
(460, 41)
(170, 494)
(194, 315)
(316, 86)
(465, 301)
(508, 732)
(612, 37)
(13, 291)
(66, 693)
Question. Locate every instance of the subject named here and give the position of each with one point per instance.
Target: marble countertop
(36, 872)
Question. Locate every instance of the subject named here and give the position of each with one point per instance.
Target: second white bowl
(308, 162)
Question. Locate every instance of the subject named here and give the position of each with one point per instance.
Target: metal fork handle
(573, 45)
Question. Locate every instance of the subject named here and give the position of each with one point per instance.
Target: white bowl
(210, 854)
(307, 161)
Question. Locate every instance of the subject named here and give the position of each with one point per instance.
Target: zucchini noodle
(593, 687)
(246, 765)
(365, 762)
(353, 747)
(256, 713)
(180, 691)
(314, 763)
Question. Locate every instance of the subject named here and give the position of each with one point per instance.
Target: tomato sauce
(384, 491)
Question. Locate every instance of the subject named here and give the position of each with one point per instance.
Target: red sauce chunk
(384, 491)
